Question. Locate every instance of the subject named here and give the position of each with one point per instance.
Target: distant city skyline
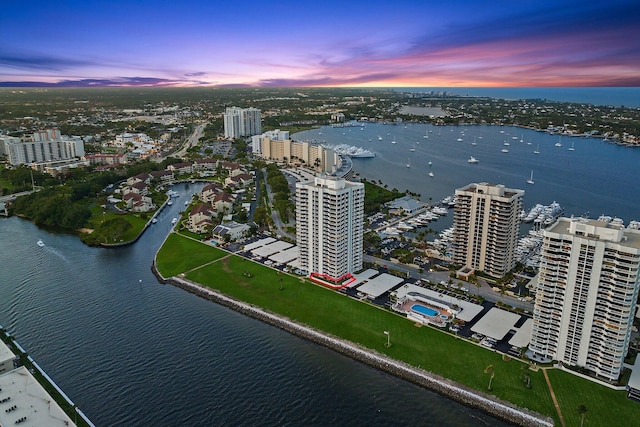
(408, 43)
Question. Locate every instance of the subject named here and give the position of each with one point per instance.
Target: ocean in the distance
(616, 96)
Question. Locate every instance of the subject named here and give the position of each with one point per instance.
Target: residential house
(137, 202)
(230, 230)
(209, 192)
(200, 218)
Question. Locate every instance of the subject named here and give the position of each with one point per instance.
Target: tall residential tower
(586, 295)
(239, 122)
(329, 222)
(486, 226)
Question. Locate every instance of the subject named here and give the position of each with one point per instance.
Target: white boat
(174, 220)
(572, 148)
(169, 203)
(186, 202)
(537, 150)
(504, 150)
(154, 220)
(431, 174)
(474, 141)
(559, 144)
(506, 143)
(530, 180)
(409, 163)
(412, 149)
(426, 135)
(430, 163)
(40, 243)
(393, 141)
(472, 160)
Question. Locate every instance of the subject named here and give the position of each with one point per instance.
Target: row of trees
(280, 189)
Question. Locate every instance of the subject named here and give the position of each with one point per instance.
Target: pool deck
(436, 320)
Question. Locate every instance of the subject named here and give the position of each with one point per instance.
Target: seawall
(460, 393)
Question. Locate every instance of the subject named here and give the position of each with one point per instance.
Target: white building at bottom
(586, 295)
(329, 223)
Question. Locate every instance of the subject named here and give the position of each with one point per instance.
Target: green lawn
(605, 407)
(362, 323)
(180, 254)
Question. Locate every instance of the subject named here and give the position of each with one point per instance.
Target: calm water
(146, 354)
(596, 178)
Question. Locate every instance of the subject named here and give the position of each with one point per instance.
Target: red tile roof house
(200, 218)
(240, 180)
(223, 202)
(181, 168)
(163, 176)
(138, 203)
(137, 188)
(141, 177)
(206, 164)
(209, 192)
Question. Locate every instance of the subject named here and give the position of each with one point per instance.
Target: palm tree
(582, 410)
(489, 370)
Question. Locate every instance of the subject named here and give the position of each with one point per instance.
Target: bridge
(11, 198)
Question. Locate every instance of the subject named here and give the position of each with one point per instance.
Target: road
(190, 142)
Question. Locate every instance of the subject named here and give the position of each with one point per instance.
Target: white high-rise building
(329, 223)
(42, 147)
(486, 226)
(239, 122)
(586, 295)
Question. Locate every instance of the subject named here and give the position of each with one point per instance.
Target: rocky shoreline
(489, 404)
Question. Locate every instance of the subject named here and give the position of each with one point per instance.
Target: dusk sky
(400, 43)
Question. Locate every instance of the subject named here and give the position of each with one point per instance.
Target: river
(133, 352)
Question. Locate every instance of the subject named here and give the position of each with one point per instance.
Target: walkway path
(553, 396)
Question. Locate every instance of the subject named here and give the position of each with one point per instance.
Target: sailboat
(530, 180)
(393, 140)
(474, 141)
(559, 144)
(537, 150)
(426, 135)
(572, 147)
(409, 163)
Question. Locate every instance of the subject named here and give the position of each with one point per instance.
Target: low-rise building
(200, 218)
(230, 230)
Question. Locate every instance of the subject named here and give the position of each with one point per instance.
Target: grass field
(362, 323)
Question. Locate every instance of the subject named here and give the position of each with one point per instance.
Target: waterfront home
(240, 180)
(230, 230)
(200, 218)
(205, 164)
(137, 202)
(181, 168)
(137, 188)
(223, 202)
(141, 177)
(163, 176)
(209, 192)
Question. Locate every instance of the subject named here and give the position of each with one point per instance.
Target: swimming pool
(424, 310)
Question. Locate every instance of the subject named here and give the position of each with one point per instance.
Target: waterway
(133, 352)
(594, 178)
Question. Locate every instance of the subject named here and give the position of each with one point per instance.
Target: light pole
(388, 339)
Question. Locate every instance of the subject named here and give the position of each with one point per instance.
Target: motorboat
(431, 174)
(174, 220)
(154, 220)
(40, 243)
(504, 150)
